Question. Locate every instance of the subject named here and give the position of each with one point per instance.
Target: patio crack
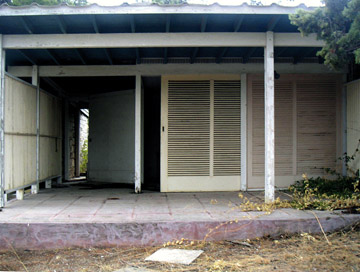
(202, 205)
(167, 202)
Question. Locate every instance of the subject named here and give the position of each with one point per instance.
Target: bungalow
(181, 98)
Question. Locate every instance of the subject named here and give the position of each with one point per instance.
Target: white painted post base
(5, 198)
(59, 180)
(34, 189)
(20, 194)
(48, 184)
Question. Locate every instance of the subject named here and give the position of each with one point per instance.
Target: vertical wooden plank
(2, 138)
(138, 134)
(35, 81)
(211, 128)
(243, 97)
(269, 118)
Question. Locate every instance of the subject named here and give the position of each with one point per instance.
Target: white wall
(111, 137)
(353, 121)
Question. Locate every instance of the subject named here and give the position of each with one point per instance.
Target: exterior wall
(112, 138)
(307, 125)
(353, 121)
(20, 133)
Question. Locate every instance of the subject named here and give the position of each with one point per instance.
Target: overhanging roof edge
(94, 9)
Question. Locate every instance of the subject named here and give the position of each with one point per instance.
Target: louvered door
(201, 136)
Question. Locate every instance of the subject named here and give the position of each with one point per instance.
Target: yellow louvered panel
(188, 128)
(227, 137)
(283, 128)
(316, 125)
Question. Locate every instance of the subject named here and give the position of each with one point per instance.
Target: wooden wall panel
(316, 125)
(20, 133)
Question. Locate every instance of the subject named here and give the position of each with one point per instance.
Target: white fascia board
(37, 10)
(144, 40)
(168, 69)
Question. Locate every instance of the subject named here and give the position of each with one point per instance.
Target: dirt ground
(302, 252)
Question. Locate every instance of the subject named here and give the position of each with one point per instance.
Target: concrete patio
(84, 215)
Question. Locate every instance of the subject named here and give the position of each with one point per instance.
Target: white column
(243, 185)
(269, 118)
(2, 137)
(138, 134)
(20, 194)
(35, 81)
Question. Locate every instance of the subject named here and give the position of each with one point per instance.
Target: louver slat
(283, 128)
(227, 137)
(316, 126)
(188, 128)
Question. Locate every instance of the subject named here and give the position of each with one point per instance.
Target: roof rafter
(203, 24)
(237, 25)
(63, 29)
(167, 30)
(133, 30)
(249, 53)
(96, 29)
(273, 22)
(301, 56)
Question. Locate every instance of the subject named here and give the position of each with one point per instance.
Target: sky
(309, 3)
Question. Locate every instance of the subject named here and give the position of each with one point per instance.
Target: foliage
(338, 24)
(44, 2)
(169, 2)
(84, 157)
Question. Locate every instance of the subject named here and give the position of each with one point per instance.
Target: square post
(243, 184)
(35, 81)
(2, 128)
(137, 134)
(269, 118)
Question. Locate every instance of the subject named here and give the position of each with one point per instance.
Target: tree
(44, 2)
(338, 24)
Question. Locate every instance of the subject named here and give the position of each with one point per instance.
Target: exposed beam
(160, 69)
(273, 22)
(63, 29)
(26, 25)
(61, 23)
(300, 57)
(279, 52)
(94, 24)
(29, 59)
(108, 57)
(143, 40)
(52, 57)
(238, 23)
(61, 92)
(237, 27)
(167, 30)
(248, 55)
(202, 29)
(133, 30)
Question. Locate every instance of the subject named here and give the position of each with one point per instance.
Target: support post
(35, 81)
(48, 184)
(20, 194)
(77, 143)
(66, 141)
(269, 118)
(138, 134)
(2, 137)
(59, 180)
(243, 184)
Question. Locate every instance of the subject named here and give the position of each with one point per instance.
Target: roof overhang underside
(149, 19)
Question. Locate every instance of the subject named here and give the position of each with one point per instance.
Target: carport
(122, 62)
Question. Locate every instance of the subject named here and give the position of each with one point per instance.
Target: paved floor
(82, 215)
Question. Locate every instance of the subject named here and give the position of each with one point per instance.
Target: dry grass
(303, 252)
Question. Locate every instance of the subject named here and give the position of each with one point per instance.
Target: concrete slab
(176, 256)
(133, 269)
(76, 216)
